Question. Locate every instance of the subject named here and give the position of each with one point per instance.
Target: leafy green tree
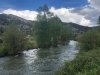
(13, 40)
(42, 33)
(55, 26)
(41, 28)
(49, 29)
(90, 40)
(66, 34)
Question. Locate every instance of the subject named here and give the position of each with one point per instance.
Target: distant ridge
(7, 19)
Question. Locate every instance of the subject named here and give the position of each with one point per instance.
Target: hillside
(15, 20)
(26, 25)
(77, 27)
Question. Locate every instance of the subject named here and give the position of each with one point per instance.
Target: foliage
(87, 63)
(31, 43)
(98, 21)
(1, 30)
(13, 40)
(42, 33)
(90, 40)
(49, 30)
(66, 34)
(55, 27)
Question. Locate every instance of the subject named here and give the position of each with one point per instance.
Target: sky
(83, 12)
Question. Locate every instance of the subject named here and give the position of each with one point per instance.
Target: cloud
(95, 4)
(86, 16)
(90, 11)
(26, 14)
(66, 15)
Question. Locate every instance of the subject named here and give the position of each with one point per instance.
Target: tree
(66, 34)
(41, 28)
(41, 31)
(98, 22)
(90, 40)
(13, 40)
(55, 26)
(49, 29)
(1, 29)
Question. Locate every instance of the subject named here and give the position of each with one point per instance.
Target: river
(38, 62)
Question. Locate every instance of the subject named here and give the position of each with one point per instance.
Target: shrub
(14, 40)
(90, 40)
(31, 43)
(87, 63)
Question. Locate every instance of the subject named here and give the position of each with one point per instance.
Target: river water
(38, 62)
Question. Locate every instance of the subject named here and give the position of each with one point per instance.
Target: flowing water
(38, 62)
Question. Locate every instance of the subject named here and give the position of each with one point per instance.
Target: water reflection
(38, 62)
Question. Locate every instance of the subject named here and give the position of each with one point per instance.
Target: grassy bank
(86, 63)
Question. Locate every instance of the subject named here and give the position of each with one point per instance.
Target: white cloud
(26, 14)
(90, 11)
(66, 15)
(95, 4)
(89, 1)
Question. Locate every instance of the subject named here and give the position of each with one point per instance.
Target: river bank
(86, 63)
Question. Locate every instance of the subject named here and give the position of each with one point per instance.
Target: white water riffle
(69, 53)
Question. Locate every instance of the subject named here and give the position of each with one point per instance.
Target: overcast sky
(83, 12)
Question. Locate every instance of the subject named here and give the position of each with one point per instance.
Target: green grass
(86, 63)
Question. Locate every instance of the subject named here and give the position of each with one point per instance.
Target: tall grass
(86, 63)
